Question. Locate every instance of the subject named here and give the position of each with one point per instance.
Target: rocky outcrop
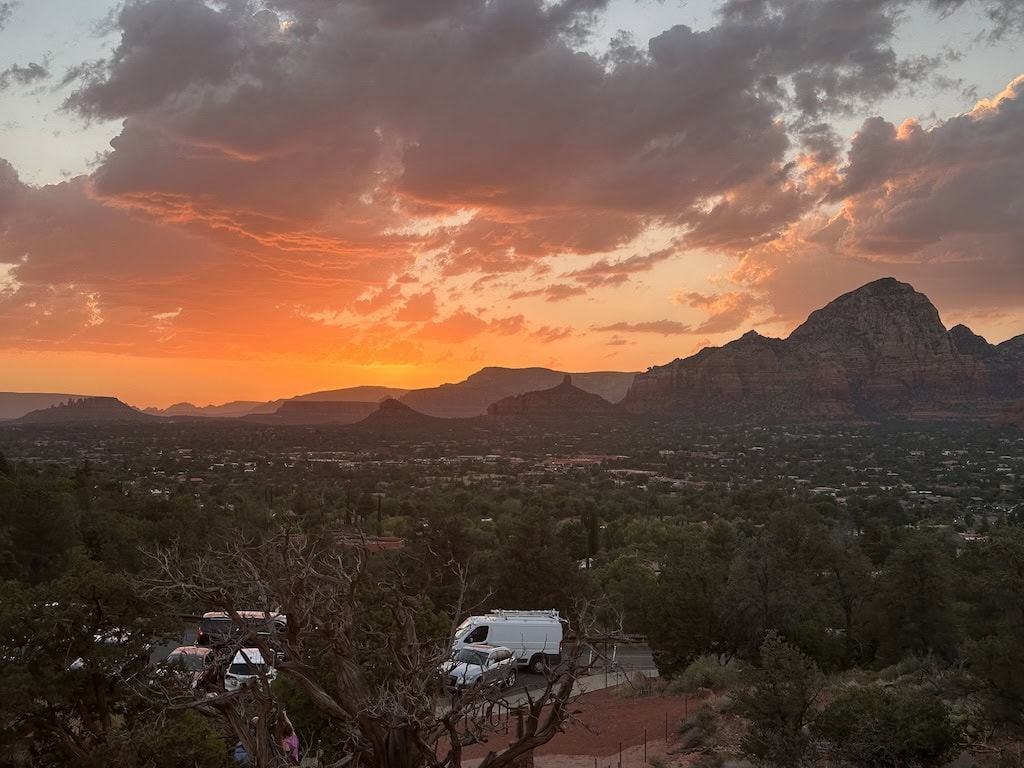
(879, 350)
(86, 410)
(395, 419)
(1011, 352)
(563, 403)
(488, 385)
(14, 405)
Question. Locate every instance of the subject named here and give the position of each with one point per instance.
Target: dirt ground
(610, 722)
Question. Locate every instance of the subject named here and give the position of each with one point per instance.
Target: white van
(535, 637)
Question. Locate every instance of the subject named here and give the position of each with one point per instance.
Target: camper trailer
(535, 637)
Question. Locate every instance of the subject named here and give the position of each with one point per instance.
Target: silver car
(479, 666)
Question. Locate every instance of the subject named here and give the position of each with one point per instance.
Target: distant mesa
(878, 351)
(86, 410)
(238, 408)
(13, 405)
(563, 403)
(315, 412)
(489, 385)
(230, 410)
(363, 394)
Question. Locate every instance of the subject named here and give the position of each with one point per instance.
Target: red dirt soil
(607, 721)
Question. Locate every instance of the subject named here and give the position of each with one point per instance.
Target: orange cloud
(663, 327)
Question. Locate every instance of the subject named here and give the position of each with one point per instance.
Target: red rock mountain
(564, 402)
(86, 410)
(879, 350)
(394, 418)
(1012, 416)
(488, 385)
(316, 412)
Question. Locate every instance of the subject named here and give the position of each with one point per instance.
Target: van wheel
(511, 679)
(538, 664)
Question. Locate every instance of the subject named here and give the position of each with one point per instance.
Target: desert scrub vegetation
(699, 730)
(638, 685)
(705, 672)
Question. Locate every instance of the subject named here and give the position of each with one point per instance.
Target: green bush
(186, 740)
(705, 672)
(875, 727)
(777, 704)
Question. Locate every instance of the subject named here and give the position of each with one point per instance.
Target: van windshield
(463, 629)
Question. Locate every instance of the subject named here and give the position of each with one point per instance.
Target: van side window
(478, 635)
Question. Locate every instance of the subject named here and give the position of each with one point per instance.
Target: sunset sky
(221, 200)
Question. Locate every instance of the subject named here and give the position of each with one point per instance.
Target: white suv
(248, 665)
(478, 666)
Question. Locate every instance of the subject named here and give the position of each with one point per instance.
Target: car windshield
(247, 668)
(463, 629)
(470, 656)
(187, 661)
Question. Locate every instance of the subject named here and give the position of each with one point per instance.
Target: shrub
(778, 704)
(873, 727)
(705, 672)
(699, 730)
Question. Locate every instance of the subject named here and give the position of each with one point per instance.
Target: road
(620, 661)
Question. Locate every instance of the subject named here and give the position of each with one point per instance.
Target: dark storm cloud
(307, 106)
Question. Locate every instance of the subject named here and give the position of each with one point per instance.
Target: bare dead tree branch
(350, 612)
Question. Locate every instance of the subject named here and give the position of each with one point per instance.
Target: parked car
(248, 665)
(479, 666)
(217, 627)
(535, 637)
(195, 662)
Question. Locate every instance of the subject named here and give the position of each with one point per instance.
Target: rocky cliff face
(1012, 416)
(878, 350)
(563, 403)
